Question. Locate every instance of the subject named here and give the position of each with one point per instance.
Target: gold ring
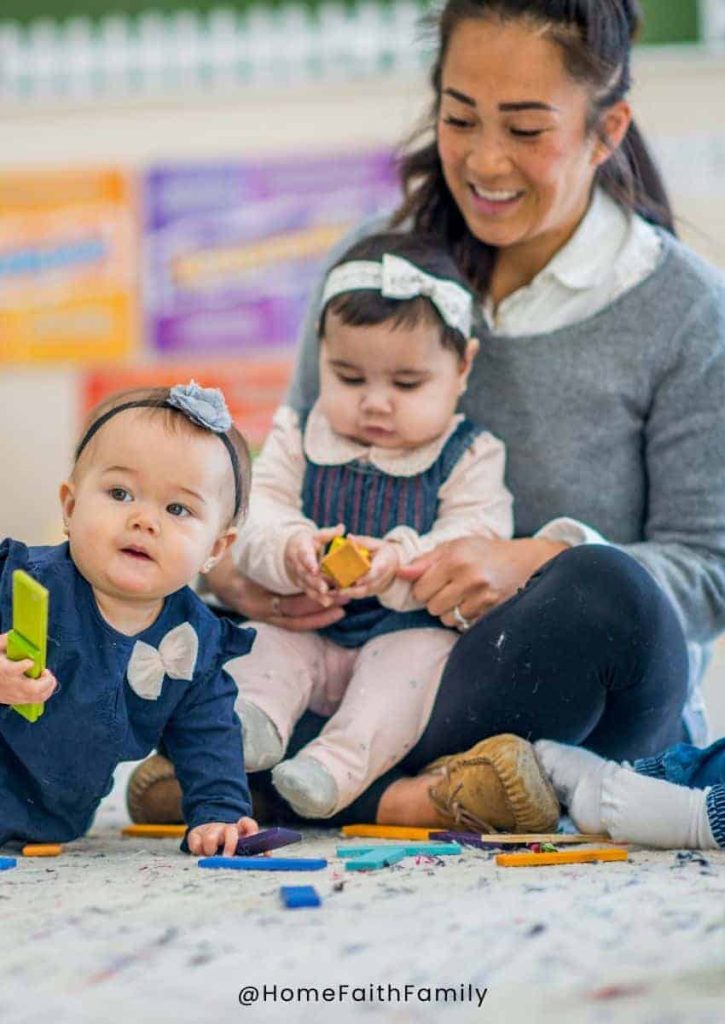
(462, 623)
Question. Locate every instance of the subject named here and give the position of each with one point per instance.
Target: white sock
(640, 809)
(263, 745)
(576, 775)
(307, 786)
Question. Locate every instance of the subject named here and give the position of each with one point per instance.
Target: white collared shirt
(610, 252)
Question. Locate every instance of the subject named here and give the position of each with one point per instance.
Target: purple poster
(235, 250)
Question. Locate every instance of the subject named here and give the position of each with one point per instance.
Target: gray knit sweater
(618, 421)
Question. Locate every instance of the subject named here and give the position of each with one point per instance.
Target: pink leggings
(377, 698)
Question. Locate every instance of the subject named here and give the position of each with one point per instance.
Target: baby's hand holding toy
(15, 686)
(302, 561)
(384, 564)
(206, 839)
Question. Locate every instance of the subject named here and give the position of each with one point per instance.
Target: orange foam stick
(42, 850)
(155, 831)
(530, 860)
(386, 832)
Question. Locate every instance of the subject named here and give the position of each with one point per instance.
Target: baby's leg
(383, 713)
(276, 681)
(605, 796)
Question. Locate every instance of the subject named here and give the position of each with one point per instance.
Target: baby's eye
(352, 381)
(407, 385)
(175, 509)
(120, 494)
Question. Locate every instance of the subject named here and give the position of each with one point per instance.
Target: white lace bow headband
(397, 278)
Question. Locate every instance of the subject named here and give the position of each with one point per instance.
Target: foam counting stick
(29, 636)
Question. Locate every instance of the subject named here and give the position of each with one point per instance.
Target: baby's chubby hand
(302, 555)
(15, 686)
(206, 839)
(384, 565)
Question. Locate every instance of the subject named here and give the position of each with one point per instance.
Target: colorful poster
(253, 388)
(233, 252)
(68, 258)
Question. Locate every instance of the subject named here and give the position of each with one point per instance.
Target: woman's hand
(295, 612)
(206, 839)
(16, 687)
(474, 574)
(302, 555)
(384, 565)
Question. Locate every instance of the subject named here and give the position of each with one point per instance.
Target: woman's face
(512, 139)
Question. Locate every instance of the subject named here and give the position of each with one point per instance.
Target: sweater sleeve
(684, 450)
(474, 501)
(275, 506)
(204, 740)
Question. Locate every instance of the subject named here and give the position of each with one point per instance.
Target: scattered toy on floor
(525, 860)
(154, 831)
(297, 896)
(42, 850)
(264, 863)
(6, 863)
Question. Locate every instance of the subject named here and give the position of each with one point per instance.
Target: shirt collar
(587, 258)
(325, 447)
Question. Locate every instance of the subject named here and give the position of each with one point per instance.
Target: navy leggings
(589, 652)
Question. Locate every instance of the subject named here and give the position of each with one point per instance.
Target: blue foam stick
(294, 896)
(379, 857)
(8, 862)
(411, 849)
(264, 863)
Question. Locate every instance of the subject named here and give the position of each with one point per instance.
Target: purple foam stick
(268, 839)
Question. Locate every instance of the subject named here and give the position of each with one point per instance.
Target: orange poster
(68, 264)
(253, 389)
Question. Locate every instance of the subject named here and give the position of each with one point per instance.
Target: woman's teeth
(493, 197)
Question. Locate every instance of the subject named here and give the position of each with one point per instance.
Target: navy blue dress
(54, 772)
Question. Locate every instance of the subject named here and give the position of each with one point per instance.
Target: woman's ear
(613, 126)
(471, 351)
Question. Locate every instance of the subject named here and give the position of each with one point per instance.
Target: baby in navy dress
(134, 658)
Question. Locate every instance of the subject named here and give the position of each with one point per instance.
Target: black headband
(152, 404)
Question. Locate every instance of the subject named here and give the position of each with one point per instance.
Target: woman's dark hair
(367, 307)
(595, 37)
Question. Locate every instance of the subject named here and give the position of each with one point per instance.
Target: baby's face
(387, 386)
(148, 505)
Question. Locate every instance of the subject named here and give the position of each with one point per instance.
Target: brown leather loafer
(153, 795)
(496, 786)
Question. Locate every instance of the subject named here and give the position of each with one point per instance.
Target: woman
(602, 368)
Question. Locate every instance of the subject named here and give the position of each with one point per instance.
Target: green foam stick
(29, 636)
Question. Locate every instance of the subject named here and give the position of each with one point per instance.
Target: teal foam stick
(411, 849)
(264, 863)
(380, 857)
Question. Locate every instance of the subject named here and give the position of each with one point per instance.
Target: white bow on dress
(175, 657)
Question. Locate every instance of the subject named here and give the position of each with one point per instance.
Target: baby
(383, 456)
(134, 658)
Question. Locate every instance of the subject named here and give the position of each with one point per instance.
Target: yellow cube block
(345, 562)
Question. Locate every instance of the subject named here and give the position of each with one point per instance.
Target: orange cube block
(345, 562)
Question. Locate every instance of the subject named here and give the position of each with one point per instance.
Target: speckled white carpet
(131, 931)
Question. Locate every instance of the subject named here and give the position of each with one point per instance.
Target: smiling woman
(602, 368)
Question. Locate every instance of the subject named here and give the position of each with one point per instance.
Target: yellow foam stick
(155, 831)
(386, 832)
(29, 636)
(528, 860)
(42, 850)
(345, 561)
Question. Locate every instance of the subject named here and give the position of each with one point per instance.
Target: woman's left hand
(474, 574)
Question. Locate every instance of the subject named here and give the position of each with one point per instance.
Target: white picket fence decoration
(157, 53)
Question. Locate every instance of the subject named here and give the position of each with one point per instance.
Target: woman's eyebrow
(503, 107)
(527, 105)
